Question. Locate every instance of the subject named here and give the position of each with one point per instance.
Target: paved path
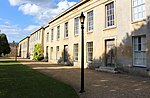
(97, 84)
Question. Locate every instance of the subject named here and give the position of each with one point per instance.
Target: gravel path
(97, 84)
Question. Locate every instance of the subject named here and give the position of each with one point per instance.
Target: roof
(37, 30)
(68, 10)
(24, 39)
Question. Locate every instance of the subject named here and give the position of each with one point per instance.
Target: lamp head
(82, 17)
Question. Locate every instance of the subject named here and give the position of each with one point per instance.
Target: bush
(38, 52)
(96, 63)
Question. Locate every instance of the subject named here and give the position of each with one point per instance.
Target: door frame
(115, 43)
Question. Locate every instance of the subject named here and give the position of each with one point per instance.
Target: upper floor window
(39, 35)
(58, 32)
(138, 9)
(47, 37)
(76, 26)
(52, 34)
(66, 30)
(90, 21)
(109, 14)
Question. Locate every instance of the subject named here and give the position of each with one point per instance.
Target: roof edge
(68, 10)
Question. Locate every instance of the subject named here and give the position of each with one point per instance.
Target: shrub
(38, 52)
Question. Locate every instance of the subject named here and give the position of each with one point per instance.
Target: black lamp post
(15, 45)
(82, 17)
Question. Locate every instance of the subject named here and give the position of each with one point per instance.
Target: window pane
(110, 14)
(139, 50)
(66, 29)
(90, 51)
(76, 52)
(138, 9)
(90, 21)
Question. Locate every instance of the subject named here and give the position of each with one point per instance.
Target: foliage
(4, 45)
(38, 52)
(96, 63)
(65, 60)
(20, 81)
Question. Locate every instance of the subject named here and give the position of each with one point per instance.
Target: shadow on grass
(19, 81)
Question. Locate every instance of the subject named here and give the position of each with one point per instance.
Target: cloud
(31, 28)
(42, 10)
(9, 29)
(30, 9)
(14, 32)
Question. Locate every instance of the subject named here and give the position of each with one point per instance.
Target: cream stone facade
(23, 48)
(46, 42)
(116, 35)
(36, 38)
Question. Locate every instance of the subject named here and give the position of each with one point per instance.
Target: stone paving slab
(97, 84)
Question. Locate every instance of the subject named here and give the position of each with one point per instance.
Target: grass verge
(20, 81)
(4, 57)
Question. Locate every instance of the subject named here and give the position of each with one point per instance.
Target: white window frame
(90, 21)
(52, 34)
(139, 47)
(89, 51)
(76, 26)
(57, 53)
(138, 10)
(66, 30)
(76, 52)
(110, 14)
(58, 32)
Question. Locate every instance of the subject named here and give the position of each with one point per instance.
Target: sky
(19, 18)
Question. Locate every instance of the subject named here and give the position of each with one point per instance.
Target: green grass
(4, 57)
(20, 81)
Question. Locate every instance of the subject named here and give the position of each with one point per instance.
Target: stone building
(23, 48)
(116, 36)
(36, 38)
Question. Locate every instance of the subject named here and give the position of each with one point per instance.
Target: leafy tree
(38, 52)
(4, 45)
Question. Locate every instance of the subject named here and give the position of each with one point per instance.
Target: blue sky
(19, 18)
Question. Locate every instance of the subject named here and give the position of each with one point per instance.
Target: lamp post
(15, 45)
(82, 17)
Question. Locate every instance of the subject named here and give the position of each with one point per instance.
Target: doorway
(65, 53)
(110, 52)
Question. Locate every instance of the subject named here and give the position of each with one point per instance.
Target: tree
(38, 52)
(4, 45)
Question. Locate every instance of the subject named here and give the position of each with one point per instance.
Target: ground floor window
(139, 51)
(51, 53)
(46, 51)
(75, 52)
(57, 53)
(89, 51)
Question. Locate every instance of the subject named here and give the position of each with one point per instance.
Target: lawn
(4, 57)
(20, 81)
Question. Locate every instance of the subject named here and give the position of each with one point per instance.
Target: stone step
(107, 69)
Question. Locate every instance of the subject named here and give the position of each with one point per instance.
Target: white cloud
(31, 28)
(42, 10)
(9, 29)
(30, 9)
(16, 2)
